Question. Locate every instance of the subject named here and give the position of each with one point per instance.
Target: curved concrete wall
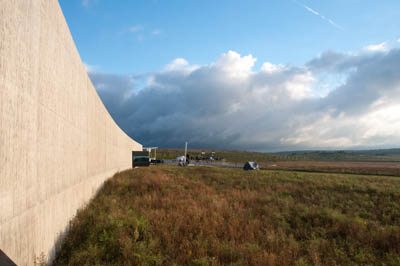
(58, 143)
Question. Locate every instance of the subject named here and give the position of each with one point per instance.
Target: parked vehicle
(251, 166)
(140, 158)
(156, 161)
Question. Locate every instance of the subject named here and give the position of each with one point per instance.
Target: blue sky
(143, 36)
(255, 75)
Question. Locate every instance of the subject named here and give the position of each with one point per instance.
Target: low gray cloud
(228, 104)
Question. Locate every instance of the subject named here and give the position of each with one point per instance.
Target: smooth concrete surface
(58, 143)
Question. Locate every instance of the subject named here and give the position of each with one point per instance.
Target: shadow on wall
(5, 260)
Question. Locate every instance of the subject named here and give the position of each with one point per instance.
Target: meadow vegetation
(369, 162)
(169, 215)
(236, 156)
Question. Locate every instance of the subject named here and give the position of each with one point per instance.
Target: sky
(260, 75)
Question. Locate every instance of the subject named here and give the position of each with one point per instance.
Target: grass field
(388, 155)
(374, 162)
(211, 216)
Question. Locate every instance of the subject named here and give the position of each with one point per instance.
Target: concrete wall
(58, 143)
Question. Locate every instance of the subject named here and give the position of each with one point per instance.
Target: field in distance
(370, 162)
(386, 155)
(168, 215)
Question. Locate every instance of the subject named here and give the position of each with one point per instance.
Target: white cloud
(90, 68)
(375, 128)
(177, 64)
(229, 104)
(398, 40)
(136, 28)
(383, 122)
(271, 68)
(300, 86)
(234, 65)
(313, 11)
(381, 47)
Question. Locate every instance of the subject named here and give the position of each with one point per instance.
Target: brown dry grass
(365, 168)
(211, 216)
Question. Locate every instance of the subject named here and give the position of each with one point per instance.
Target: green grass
(211, 216)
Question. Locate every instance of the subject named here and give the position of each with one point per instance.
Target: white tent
(180, 158)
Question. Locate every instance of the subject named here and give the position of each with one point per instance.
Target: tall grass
(211, 216)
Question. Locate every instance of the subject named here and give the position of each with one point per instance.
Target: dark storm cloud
(227, 104)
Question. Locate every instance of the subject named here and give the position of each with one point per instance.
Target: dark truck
(140, 158)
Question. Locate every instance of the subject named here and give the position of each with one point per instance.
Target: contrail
(313, 11)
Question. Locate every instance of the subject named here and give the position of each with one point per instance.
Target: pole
(185, 151)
